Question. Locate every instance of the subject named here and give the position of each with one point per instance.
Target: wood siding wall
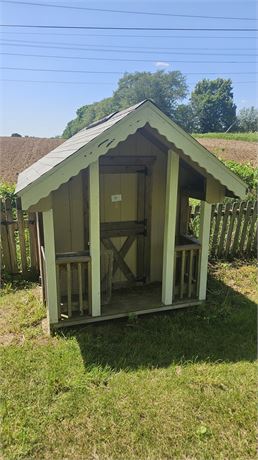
(68, 222)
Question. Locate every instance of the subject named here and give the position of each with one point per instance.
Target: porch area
(74, 271)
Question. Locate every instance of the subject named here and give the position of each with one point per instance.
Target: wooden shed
(112, 204)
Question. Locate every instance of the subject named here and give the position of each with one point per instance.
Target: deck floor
(125, 300)
(137, 300)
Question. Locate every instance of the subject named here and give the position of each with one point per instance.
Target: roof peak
(118, 112)
(101, 120)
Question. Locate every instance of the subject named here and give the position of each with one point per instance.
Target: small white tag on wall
(115, 198)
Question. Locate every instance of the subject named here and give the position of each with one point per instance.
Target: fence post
(252, 232)
(238, 227)
(6, 256)
(217, 214)
(11, 237)
(21, 232)
(33, 242)
(230, 227)
(247, 215)
(221, 245)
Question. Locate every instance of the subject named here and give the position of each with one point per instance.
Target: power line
(59, 82)
(135, 49)
(122, 59)
(91, 83)
(105, 10)
(127, 51)
(165, 29)
(130, 36)
(124, 51)
(116, 72)
(64, 70)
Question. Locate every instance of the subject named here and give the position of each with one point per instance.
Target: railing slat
(186, 278)
(175, 270)
(74, 300)
(69, 290)
(89, 287)
(80, 287)
(58, 291)
(190, 279)
(182, 275)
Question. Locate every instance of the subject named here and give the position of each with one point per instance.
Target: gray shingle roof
(68, 148)
(85, 147)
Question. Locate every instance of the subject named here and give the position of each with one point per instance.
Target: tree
(185, 118)
(165, 89)
(247, 119)
(213, 105)
(16, 135)
(87, 114)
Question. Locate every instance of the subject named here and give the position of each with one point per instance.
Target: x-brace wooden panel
(119, 255)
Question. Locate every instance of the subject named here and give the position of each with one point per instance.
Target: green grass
(178, 385)
(249, 137)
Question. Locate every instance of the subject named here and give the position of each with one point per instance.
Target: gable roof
(69, 147)
(18, 153)
(85, 147)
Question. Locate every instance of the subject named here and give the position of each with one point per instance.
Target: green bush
(7, 191)
(246, 172)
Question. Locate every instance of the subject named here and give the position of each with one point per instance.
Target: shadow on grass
(223, 329)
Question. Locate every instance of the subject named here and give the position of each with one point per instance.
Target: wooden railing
(73, 271)
(187, 267)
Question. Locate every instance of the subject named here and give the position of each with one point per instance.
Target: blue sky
(43, 105)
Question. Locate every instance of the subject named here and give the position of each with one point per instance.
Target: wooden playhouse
(112, 213)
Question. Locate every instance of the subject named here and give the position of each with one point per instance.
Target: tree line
(211, 106)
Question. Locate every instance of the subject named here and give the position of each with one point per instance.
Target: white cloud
(161, 64)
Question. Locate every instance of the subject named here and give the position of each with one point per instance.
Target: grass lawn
(249, 137)
(170, 386)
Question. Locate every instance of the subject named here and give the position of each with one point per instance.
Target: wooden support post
(170, 228)
(94, 234)
(39, 244)
(205, 221)
(69, 289)
(50, 258)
